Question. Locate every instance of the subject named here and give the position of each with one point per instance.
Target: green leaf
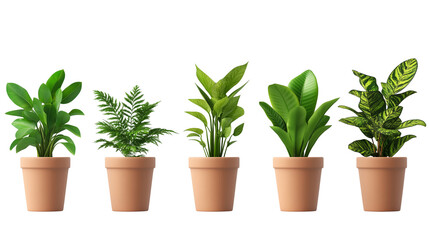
(226, 132)
(297, 126)
(70, 146)
(237, 90)
(38, 108)
(286, 139)
(219, 105)
(229, 81)
(389, 132)
(24, 143)
(411, 123)
(356, 93)
(75, 112)
(392, 124)
(273, 116)
(19, 96)
(23, 124)
(31, 116)
(355, 121)
(195, 130)
(396, 99)
(238, 130)
(193, 135)
(400, 77)
(364, 147)
(304, 86)
(201, 103)
(369, 83)
(314, 137)
(390, 114)
(205, 80)
(51, 114)
(226, 122)
(282, 99)
(237, 113)
(372, 103)
(200, 142)
(367, 131)
(58, 96)
(207, 98)
(71, 92)
(72, 129)
(231, 106)
(18, 113)
(56, 81)
(325, 119)
(359, 114)
(23, 132)
(62, 119)
(45, 94)
(14, 143)
(198, 115)
(397, 144)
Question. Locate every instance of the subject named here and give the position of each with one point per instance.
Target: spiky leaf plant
(128, 123)
(222, 111)
(294, 116)
(379, 118)
(40, 122)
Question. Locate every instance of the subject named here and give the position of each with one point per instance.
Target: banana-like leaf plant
(222, 110)
(294, 116)
(40, 122)
(128, 124)
(379, 115)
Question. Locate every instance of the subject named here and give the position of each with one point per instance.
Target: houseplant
(130, 176)
(41, 124)
(381, 174)
(299, 126)
(214, 176)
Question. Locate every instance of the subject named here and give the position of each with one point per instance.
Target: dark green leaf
(355, 121)
(71, 92)
(364, 147)
(18, 113)
(45, 94)
(75, 112)
(304, 86)
(19, 96)
(396, 99)
(273, 116)
(400, 77)
(368, 83)
(238, 130)
(56, 81)
(372, 103)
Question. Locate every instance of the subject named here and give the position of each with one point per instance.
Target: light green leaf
(411, 123)
(19, 96)
(304, 86)
(75, 112)
(369, 83)
(355, 121)
(238, 130)
(229, 81)
(219, 105)
(72, 129)
(364, 147)
(286, 139)
(45, 94)
(282, 99)
(297, 126)
(205, 80)
(38, 108)
(70, 146)
(62, 118)
(201, 103)
(400, 77)
(314, 137)
(71, 92)
(372, 103)
(397, 144)
(198, 115)
(23, 124)
(24, 143)
(195, 130)
(18, 113)
(56, 81)
(396, 99)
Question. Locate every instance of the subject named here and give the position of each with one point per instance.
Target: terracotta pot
(130, 182)
(213, 180)
(298, 180)
(382, 182)
(45, 180)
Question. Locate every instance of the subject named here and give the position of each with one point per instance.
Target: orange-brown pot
(130, 182)
(298, 181)
(213, 180)
(382, 182)
(45, 180)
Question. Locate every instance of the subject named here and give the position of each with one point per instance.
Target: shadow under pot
(130, 182)
(214, 180)
(382, 182)
(45, 180)
(298, 181)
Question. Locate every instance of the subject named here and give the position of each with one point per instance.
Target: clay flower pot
(298, 181)
(130, 182)
(382, 182)
(213, 180)
(45, 180)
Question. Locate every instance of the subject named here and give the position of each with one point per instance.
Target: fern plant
(128, 123)
(379, 118)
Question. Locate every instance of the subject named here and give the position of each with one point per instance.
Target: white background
(114, 45)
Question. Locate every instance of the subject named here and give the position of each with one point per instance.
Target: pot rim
(381, 162)
(214, 162)
(45, 162)
(129, 162)
(298, 162)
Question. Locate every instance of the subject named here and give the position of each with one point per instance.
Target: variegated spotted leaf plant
(222, 110)
(294, 115)
(380, 112)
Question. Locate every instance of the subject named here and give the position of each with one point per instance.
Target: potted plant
(381, 174)
(41, 124)
(214, 176)
(299, 126)
(130, 176)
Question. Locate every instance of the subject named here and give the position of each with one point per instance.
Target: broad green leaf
(201, 103)
(226, 122)
(390, 114)
(24, 143)
(72, 129)
(31, 116)
(400, 77)
(19, 96)
(359, 114)
(323, 121)
(56, 81)
(51, 114)
(392, 124)
(58, 96)
(36, 135)
(286, 139)
(238, 130)
(372, 103)
(297, 126)
(45, 94)
(356, 93)
(237, 90)
(411, 123)
(195, 130)
(62, 119)
(364, 147)
(18, 113)
(71, 92)
(396, 99)
(23, 132)
(70, 146)
(200, 142)
(207, 98)
(198, 115)
(282, 99)
(205, 80)
(193, 135)
(273, 116)
(367, 131)
(226, 132)
(389, 132)
(231, 106)
(14, 143)
(397, 144)
(369, 83)
(38, 108)
(355, 121)
(23, 124)
(317, 133)
(219, 105)
(304, 86)
(75, 112)
(229, 81)
(237, 113)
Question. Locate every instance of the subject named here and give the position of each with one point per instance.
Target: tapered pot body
(382, 182)
(45, 180)
(213, 180)
(298, 181)
(130, 182)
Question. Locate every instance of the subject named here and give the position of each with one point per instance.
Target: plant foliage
(379, 115)
(128, 123)
(40, 122)
(222, 110)
(294, 116)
